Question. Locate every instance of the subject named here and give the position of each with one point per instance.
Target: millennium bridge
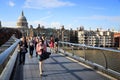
(70, 62)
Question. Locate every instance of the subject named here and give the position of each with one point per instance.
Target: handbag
(45, 55)
(24, 50)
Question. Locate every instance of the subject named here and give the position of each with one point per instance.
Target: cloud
(40, 4)
(35, 23)
(96, 8)
(56, 25)
(8, 23)
(12, 4)
(101, 17)
(46, 17)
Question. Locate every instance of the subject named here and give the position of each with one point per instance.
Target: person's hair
(51, 35)
(40, 39)
(43, 36)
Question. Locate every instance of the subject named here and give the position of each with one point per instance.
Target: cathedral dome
(22, 18)
(22, 21)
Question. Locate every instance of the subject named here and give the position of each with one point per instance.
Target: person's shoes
(30, 56)
(41, 74)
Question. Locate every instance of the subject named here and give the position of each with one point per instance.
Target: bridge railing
(6, 61)
(104, 59)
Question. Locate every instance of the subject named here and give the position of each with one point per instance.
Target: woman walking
(35, 42)
(40, 49)
(23, 49)
(31, 46)
(45, 41)
(51, 43)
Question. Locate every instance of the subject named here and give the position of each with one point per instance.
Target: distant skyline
(91, 14)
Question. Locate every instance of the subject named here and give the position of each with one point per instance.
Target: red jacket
(51, 44)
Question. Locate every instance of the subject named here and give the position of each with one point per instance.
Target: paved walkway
(57, 67)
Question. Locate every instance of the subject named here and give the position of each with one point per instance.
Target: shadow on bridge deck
(57, 67)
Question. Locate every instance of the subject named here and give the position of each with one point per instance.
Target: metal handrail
(83, 45)
(4, 56)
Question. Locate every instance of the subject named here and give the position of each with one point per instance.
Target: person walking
(31, 46)
(40, 49)
(56, 45)
(23, 49)
(45, 41)
(35, 42)
(51, 43)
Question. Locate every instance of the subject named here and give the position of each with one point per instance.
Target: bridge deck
(57, 67)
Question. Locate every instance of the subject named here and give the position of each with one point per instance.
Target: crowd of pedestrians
(39, 44)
